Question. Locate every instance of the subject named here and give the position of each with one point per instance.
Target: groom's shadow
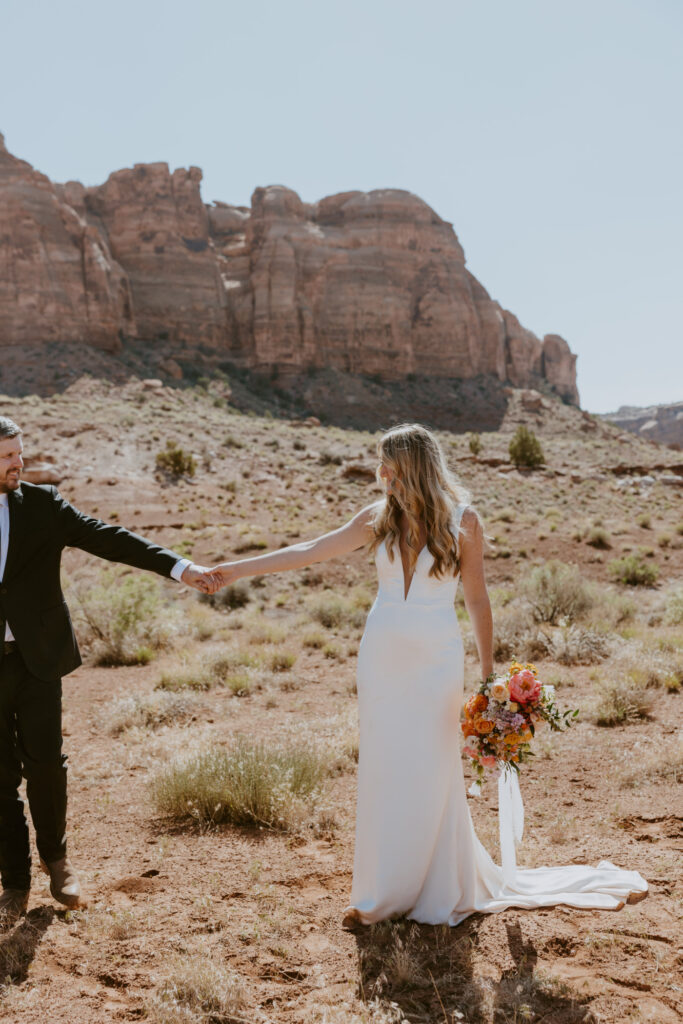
(19, 946)
(449, 974)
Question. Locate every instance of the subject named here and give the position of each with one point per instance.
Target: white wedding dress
(416, 850)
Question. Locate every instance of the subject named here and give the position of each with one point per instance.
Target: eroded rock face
(371, 283)
(661, 423)
(58, 278)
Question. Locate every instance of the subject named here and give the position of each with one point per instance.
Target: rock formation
(369, 283)
(661, 423)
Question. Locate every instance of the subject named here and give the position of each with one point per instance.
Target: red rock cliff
(371, 283)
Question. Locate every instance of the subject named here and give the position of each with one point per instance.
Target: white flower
(499, 690)
(548, 691)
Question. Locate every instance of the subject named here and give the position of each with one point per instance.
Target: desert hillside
(213, 745)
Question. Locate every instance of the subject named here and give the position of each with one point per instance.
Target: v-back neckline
(403, 572)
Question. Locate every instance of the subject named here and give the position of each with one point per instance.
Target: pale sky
(547, 131)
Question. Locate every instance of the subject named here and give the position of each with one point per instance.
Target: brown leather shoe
(64, 884)
(13, 905)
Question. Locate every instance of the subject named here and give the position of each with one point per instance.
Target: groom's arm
(114, 543)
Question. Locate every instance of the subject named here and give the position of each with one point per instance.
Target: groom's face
(11, 463)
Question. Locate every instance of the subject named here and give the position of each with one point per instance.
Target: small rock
(171, 368)
(152, 384)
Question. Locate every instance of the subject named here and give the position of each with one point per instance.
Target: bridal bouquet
(500, 719)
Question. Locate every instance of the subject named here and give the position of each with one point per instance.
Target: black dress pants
(30, 745)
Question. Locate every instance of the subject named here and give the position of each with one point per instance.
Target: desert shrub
(148, 711)
(645, 521)
(633, 571)
(664, 765)
(525, 448)
(556, 590)
(175, 462)
(474, 442)
(335, 611)
(673, 614)
(574, 645)
(598, 537)
(205, 671)
(125, 618)
(314, 638)
(253, 783)
(197, 990)
(281, 661)
(235, 595)
(623, 700)
(330, 458)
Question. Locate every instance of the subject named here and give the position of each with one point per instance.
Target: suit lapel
(17, 523)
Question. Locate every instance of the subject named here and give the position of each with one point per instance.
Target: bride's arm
(474, 588)
(352, 535)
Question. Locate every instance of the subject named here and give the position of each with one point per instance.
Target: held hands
(197, 576)
(209, 581)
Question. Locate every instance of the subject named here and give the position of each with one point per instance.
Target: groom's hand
(197, 576)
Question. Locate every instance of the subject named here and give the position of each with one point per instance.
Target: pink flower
(524, 687)
(469, 752)
(489, 761)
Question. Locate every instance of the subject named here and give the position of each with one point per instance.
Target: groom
(37, 648)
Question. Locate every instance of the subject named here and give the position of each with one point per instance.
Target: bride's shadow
(438, 973)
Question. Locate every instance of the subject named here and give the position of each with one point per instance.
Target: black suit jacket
(42, 524)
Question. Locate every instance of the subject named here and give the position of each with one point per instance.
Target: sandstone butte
(365, 282)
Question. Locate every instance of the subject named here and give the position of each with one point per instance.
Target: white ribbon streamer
(510, 821)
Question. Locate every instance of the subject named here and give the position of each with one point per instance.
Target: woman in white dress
(416, 850)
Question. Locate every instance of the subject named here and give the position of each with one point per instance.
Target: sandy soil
(265, 904)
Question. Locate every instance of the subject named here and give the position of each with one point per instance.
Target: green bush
(632, 571)
(556, 591)
(125, 618)
(176, 462)
(525, 448)
(251, 784)
(474, 442)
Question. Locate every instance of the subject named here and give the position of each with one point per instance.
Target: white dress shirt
(176, 572)
(4, 544)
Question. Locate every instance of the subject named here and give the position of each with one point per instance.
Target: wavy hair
(425, 491)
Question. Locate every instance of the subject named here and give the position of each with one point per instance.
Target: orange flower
(511, 739)
(477, 702)
(482, 725)
(468, 729)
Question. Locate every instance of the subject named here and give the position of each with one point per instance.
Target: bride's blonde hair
(424, 490)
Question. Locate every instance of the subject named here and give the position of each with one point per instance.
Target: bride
(416, 851)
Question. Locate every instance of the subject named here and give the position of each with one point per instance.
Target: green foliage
(176, 462)
(633, 571)
(474, 442)
(525, 448)
(125, 618)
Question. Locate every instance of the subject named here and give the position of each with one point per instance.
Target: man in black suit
(37, 648)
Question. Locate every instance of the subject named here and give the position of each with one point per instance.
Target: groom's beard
(10, 481)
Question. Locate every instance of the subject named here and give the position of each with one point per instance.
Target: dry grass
(198, 990)
(665, 766)
(251, 784)
(147, 711)
(623, 700)
(204, 671)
